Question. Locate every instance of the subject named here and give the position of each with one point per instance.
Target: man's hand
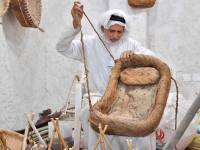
(77, 13)
(127, 55)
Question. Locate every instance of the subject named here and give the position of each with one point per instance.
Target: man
(114, 26)
(114, 33)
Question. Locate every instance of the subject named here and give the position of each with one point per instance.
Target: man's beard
(111, 41)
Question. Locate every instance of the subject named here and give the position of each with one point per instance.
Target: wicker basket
(141, 3)
(10, 139)
(28, 12)
(129, 127)
(4, 5)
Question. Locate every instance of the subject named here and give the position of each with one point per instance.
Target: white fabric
(106, 22)
(97, 57)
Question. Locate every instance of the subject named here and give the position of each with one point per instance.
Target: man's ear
(102, 29)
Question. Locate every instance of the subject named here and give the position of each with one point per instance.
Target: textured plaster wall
(35, 77)
(174, 32)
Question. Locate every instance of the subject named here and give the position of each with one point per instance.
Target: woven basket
(12, 139)
(28, 12)
(128, 127)
(141, 3)
(4, 4)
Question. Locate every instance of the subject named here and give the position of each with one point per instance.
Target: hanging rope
(176, 112)
(86, 71)
(176, 102)
(84, 57)
(99, 36)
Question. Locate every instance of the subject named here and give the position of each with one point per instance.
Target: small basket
(10, 140)
(28, 12)
(141, 3)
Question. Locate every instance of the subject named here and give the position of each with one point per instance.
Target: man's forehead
(116, 27)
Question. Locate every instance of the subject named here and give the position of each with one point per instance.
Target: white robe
(98, 63)
(98, 59)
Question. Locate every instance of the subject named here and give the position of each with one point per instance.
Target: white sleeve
(68, 46)
(139, 49)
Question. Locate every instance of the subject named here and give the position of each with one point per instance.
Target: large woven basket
(4, 4)
(28, 12)
(12, 139)
(128, 126)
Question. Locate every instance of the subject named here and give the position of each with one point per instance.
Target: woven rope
(176, 102)
(86, 71)
(99, 36)
(83, 50)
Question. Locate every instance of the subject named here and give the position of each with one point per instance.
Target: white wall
(35, 77)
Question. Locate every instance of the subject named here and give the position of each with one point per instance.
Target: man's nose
(115, 35)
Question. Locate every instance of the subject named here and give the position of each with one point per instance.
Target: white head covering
(106, 22)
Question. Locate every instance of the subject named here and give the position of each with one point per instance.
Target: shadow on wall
(15, 34)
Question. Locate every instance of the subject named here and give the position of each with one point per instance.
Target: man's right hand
(77, 13)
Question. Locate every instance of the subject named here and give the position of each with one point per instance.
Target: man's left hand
(126, 55)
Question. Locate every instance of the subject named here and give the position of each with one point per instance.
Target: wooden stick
(57, 124)
(59, 134)
(45, 128)
(101, 138)
(129, 144)
(52, 137)
(104, 130)
(36, 132)
(27, 130)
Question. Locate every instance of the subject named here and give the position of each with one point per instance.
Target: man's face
(114, 33)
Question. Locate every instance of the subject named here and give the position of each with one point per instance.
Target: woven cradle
(141, 3)
(28, 12)
(128, 126)
(12, 140)
(4, 4)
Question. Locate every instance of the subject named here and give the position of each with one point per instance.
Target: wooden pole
(101, 137)
(59, 134)
(57, 124)
(184, 124)
(27, 130)
(52, 137)
(36, 132)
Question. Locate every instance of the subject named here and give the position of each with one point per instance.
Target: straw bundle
(137, 123)
(28, 12)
